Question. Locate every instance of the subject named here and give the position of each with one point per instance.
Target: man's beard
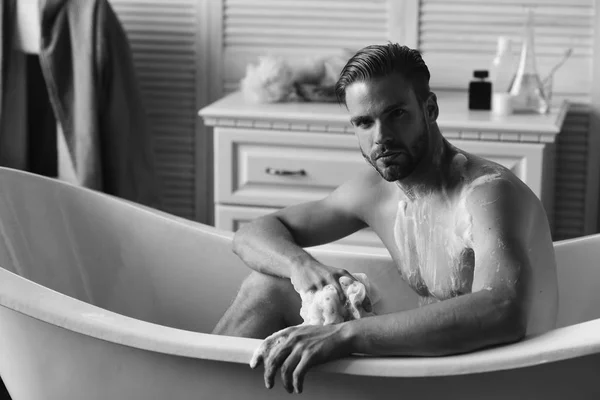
(397, 172)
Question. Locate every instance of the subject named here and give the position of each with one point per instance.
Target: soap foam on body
(433, 235)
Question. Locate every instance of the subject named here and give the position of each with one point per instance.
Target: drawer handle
(286, 172)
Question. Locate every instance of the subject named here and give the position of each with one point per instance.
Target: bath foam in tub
(324, 307)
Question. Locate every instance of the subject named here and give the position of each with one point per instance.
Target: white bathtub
(103, 299)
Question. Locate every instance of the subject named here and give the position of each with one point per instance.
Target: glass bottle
(527, 92)
(503, 66)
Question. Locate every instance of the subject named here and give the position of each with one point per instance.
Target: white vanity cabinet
(268, 156)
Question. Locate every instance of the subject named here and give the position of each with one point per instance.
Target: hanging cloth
(86, 63)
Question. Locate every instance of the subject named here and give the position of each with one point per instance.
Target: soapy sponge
(324, 307)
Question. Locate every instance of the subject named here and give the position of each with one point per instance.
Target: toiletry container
(503, 66)
(502, 73)
(480, 91)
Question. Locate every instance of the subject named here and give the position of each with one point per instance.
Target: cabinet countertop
(454, 115)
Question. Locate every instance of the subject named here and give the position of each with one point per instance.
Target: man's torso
(431, 240)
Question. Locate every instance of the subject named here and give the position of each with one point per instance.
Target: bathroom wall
(191, 52)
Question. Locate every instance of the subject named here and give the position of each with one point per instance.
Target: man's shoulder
(493, 183)
(367, 182)
(494, 193)
(359, 193)
(484, 178)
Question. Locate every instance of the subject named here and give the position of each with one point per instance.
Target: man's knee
(266, 287)
(271, 300)
(264, 304)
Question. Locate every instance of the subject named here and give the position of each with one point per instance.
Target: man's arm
(493, 313)
(273, 244)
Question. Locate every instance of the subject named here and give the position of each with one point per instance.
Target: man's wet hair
(377, 61)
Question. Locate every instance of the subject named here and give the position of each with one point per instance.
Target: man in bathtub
(466, 234)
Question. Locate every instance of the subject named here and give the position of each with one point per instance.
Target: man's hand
(297, 348)
(315, 276)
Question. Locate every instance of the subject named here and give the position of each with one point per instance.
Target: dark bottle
(480, 91)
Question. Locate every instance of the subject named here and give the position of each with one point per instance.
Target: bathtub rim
(46, 305)
(33, 300)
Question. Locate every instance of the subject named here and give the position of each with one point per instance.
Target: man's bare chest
(433, 247)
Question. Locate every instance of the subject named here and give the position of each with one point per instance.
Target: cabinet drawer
(231, 218)
(278, 168)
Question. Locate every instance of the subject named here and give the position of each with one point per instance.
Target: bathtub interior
(578, 262)
(113, 254)
(158, 268)
(132, 260)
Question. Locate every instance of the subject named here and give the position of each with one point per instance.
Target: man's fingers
(340, 290)
(300, 371)
(345, 275)
(262, 351)
(272, 363)
(258, 355)
(367, 305)
(257, 358)
(348, 274)
(288, 368)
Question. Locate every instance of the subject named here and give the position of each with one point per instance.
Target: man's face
(389, 123)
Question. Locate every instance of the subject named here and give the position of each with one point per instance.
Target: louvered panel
(296, 30)
(572, 199)
(570, 180)
(162, 35)
(459, 20)
(183, 143)
(229, 87)
(172, 130)
(572, 213)
(575, 3)
(142, 56)
(457, 37)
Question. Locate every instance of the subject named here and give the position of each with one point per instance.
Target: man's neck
(430, 175)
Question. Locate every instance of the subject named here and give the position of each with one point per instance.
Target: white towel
(324, 307)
